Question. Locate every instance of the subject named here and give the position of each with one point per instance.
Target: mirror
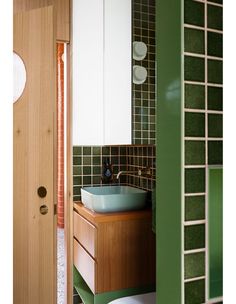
(113, 72)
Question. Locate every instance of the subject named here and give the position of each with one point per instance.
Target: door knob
(43, 209)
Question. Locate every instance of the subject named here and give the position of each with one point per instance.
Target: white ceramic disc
(19, 77)
(139, 50)
(139, 74)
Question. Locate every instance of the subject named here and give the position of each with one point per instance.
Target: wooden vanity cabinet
(114, 251)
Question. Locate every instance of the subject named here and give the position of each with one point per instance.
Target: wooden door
(35, 160)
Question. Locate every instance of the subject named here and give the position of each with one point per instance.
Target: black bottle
(107, 172)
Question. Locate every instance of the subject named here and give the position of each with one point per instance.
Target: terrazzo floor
(60, 266)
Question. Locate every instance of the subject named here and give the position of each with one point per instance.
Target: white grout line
(203, 111)
(202, 28)
(194, 251)
(203, 83)
(194, 166)
(203, 56)
(204, 138)
(215, 4)
(194, 279)
(215, 300)
(194, 194)
(192, 223)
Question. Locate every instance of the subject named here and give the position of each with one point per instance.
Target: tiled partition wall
(143, 29)
(88, 164)
(203, 132)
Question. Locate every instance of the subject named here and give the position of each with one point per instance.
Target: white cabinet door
(101, 72)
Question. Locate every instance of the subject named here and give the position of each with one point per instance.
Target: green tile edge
(169, 142)
(88, 297)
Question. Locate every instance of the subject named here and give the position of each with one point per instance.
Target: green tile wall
(88, 164)
(203, 130)
(143, 109)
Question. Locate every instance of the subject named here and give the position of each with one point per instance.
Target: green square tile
(194, 292)
(114, 150)
(215, 125)
(194, 265)
(77, 170)
(87, 160)
(194, 96)
(77, 150)
(96, 150)
(194, 12)
(194, 180)
(77, 180)
(97, 170)
(76, 160)
(96, 160)
(86, 180)
(215, 152)
(194, 152)
(195, 124)
(87, 170)
(194, 208)
(215, 98)
(215, 71)
(194, 68)
(214, 44)
(214, 17)
(76, 190)
(105, 151)
(96, 180)
(194, 237)
(76, 198)
(194, 41)
(87, 150)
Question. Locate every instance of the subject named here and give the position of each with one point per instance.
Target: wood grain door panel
(34, 160)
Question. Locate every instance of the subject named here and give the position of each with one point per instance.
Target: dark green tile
(86, 150)
(194, 41)
(76, 150)
(194, 96)
(194, 68)
(87, 170)
(97, 170)
(214, 44)
(96, 150)
(194, 152)
(194, 124)
(215, 125)
(114, 151)
(86, 180)
(96, 180)
(77, 160)
(87, 160)
(214, 17)
(194, 237)
(194, 292)
(77, 170)
(194, 208)
(77, 180)
(194, 12)
(76, 190)
(215, 152)
(194, 265)
(96, 160)
(215, 98)
(105, 151)
(76, 198)
(215, 71)
(195, 180)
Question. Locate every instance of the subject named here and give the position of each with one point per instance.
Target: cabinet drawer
(85, 233)
(85, 265)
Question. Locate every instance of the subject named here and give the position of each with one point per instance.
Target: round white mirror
(19, 77)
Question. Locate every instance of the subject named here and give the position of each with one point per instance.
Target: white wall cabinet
(101, 72)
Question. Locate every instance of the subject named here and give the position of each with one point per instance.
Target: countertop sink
(113, 198)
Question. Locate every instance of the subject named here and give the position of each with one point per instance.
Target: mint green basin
(113, 198)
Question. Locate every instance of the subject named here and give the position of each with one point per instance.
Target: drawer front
(85, 265)
(85, 233)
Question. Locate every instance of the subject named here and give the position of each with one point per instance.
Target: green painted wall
(169, 150)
